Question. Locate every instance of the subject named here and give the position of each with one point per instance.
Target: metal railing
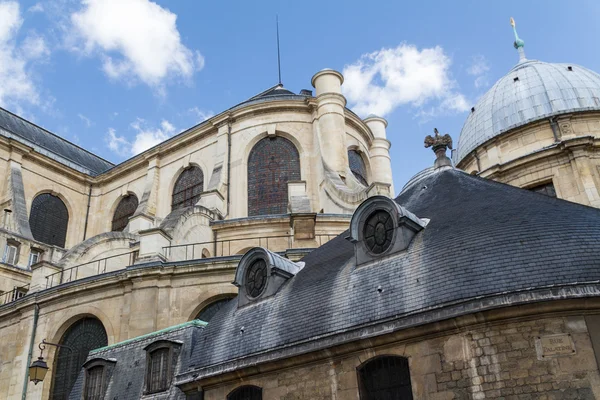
(223, 248)
(15, 294)
(90, 268)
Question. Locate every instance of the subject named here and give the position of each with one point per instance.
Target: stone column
(381, 163)
(143, 218)
(331, 123)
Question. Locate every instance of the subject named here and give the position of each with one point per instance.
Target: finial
(439, 144)
(519, 43)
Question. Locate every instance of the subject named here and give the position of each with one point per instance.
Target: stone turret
(381, 163)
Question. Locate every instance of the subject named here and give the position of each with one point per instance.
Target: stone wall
(497, 361)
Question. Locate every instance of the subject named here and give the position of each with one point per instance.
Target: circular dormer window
(378, 231)
(256, 278)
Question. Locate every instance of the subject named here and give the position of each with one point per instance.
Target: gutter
(36, 314)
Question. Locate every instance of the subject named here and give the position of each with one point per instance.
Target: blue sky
(115, 76)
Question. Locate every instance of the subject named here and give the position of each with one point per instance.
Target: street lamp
(39, 368)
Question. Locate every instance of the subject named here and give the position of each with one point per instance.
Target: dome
(531, 91)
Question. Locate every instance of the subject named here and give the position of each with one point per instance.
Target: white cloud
(85, 120)
(134, 39)
(145, 138)
(16, 58)
(381, 81)
(202, 115)
(479, 68)
(37, 7)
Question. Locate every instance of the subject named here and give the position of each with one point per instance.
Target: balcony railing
(91, 268)
(15, 294)
(230, 247)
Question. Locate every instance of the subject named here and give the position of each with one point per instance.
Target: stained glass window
(81, 337)
(94, 383)
(357, 166)
(188, 188)
(272, 163)
(210, 310)
(545, 188)
(49, 220)
(158, 370)
(246, 393)
(385, 378)
(124, 211)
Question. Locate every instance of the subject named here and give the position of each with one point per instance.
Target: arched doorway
(84, 335)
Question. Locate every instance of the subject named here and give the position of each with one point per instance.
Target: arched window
(49, 220)
(357, 166)
(272, 163)
(386, 377)
(81, 337)
(210, 310)
(188, 188)
(124, 211)
(246, 393)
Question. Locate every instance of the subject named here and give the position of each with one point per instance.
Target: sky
(119, 76)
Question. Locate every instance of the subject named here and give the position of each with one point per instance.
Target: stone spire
(519, 43)
(439, 144)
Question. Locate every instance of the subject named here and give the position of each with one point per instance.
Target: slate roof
(51, 145)
(484, 239)
(126, 382)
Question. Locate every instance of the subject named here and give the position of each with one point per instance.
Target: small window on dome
(357, 166)
(545, 188)
(570, 68)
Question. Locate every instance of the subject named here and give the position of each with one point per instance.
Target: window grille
(271, 164)
(49, 220)
(84, 335)
(94, 382)
(545, 188)
(357, 166)
(11, 254)
(246, 393)
(385, 378)
(158, 370)
(124, 211)
(210, 310)
(18, 292)
(188, 188)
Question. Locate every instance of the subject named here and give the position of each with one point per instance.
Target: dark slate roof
(126, 380)
(51, 145)
(484, 239)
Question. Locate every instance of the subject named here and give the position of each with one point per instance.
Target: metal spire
(278, 54)
(519, 43)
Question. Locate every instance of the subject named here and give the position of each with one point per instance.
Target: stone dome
(531, 91)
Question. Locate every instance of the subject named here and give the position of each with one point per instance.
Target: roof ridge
(55, 135)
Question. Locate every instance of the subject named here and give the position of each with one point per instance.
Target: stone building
(94, 253)
(538, 128)
(263, 255)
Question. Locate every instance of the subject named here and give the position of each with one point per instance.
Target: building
(94, 253)
(538, 128)
(460, 287)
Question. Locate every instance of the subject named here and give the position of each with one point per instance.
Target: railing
(223, 248)
(15, 294)
(91, 268)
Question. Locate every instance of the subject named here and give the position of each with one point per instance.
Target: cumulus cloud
(17, 57)
(145, 137)
(381, 81)
(479, 69)
(134, 39)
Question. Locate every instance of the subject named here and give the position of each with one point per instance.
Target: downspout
(87, 214)
(36, 314)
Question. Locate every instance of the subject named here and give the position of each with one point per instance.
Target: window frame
(200, 183)
(363, 393)
(238, 389)
(38, 253)
(11, 244)
(120, 218)
(105, 374)
(170, 346)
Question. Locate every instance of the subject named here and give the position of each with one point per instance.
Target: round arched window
(256, 278)
(49, 219)
(378, 231)
(124, 211)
